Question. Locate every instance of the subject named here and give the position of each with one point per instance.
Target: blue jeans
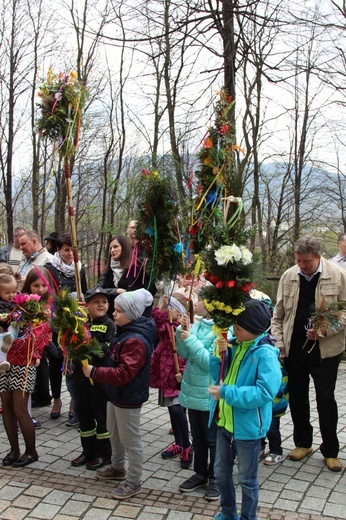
(227, 449)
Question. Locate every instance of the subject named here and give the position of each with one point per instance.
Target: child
(16, 385)
(91, 401)
(279, 407)
(164, 376)
(125, 380)
(8, 290)
(244, 407)
(195, 345)
(280, 401)
(38, 281)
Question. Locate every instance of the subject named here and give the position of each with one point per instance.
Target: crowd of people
(228, 407)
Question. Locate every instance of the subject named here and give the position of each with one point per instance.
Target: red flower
(213, 278)
(230, 284)
(224, 129)
(219, 284)
(246, 287)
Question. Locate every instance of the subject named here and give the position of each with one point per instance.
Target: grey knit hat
(134, 303)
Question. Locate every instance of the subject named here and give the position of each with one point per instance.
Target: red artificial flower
(219, 284)
(224, 129)
(229, 99)
(230, 284)
(246, 287)
(213, 278)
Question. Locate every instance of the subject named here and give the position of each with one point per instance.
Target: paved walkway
(52, 489)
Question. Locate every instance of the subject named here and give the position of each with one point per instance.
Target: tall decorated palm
(158, 231)
(62, 98)
(217, 236)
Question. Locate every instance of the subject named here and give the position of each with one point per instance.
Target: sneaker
(111, 474)
(7, 341)
(37, 424)
(212, 492)
(272, 458)
(126, 490)
(299, 453)
(186, 457)
(192, 483)
(172, 451)
(73, 421)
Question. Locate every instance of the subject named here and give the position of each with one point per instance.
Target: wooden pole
(67, 168)
(174, 345)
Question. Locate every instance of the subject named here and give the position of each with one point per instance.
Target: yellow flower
(73, 76)
(208, 305)
(50, 75)
(239, 310)
(228, 309)
(155, 173)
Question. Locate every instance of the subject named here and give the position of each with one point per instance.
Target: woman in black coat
(124, 271)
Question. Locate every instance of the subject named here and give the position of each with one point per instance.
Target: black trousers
(41, 393)
(300, 366)
(91, 407)
(204, 442)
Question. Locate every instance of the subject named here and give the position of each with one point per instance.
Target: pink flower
(36, 297)
(20, 299)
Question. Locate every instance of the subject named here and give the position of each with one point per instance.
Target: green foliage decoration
(158, 226)
(62, 98)
(69, 321)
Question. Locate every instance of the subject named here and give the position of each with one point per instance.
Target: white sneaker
(272, 459)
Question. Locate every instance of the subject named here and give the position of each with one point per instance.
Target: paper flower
(246, 255)
(228, 254)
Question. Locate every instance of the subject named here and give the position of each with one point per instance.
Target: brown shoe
(299, 453)
(333, 464)
(111, 474)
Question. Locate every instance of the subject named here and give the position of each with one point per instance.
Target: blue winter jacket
(257, 383)
(197, 349)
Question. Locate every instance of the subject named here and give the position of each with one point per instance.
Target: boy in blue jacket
(243, 407)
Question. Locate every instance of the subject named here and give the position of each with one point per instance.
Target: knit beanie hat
(256, 317)
(134, 303)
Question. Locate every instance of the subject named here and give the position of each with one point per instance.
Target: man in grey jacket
(312, 282)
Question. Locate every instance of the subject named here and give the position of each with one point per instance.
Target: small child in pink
(164, 377)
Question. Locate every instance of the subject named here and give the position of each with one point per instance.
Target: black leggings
(179, 425)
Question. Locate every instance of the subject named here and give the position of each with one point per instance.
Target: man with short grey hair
(312, 282)
(340, 258)
(34, 252)
(12, 254)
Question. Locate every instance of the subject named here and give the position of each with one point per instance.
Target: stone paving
(51, 489)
